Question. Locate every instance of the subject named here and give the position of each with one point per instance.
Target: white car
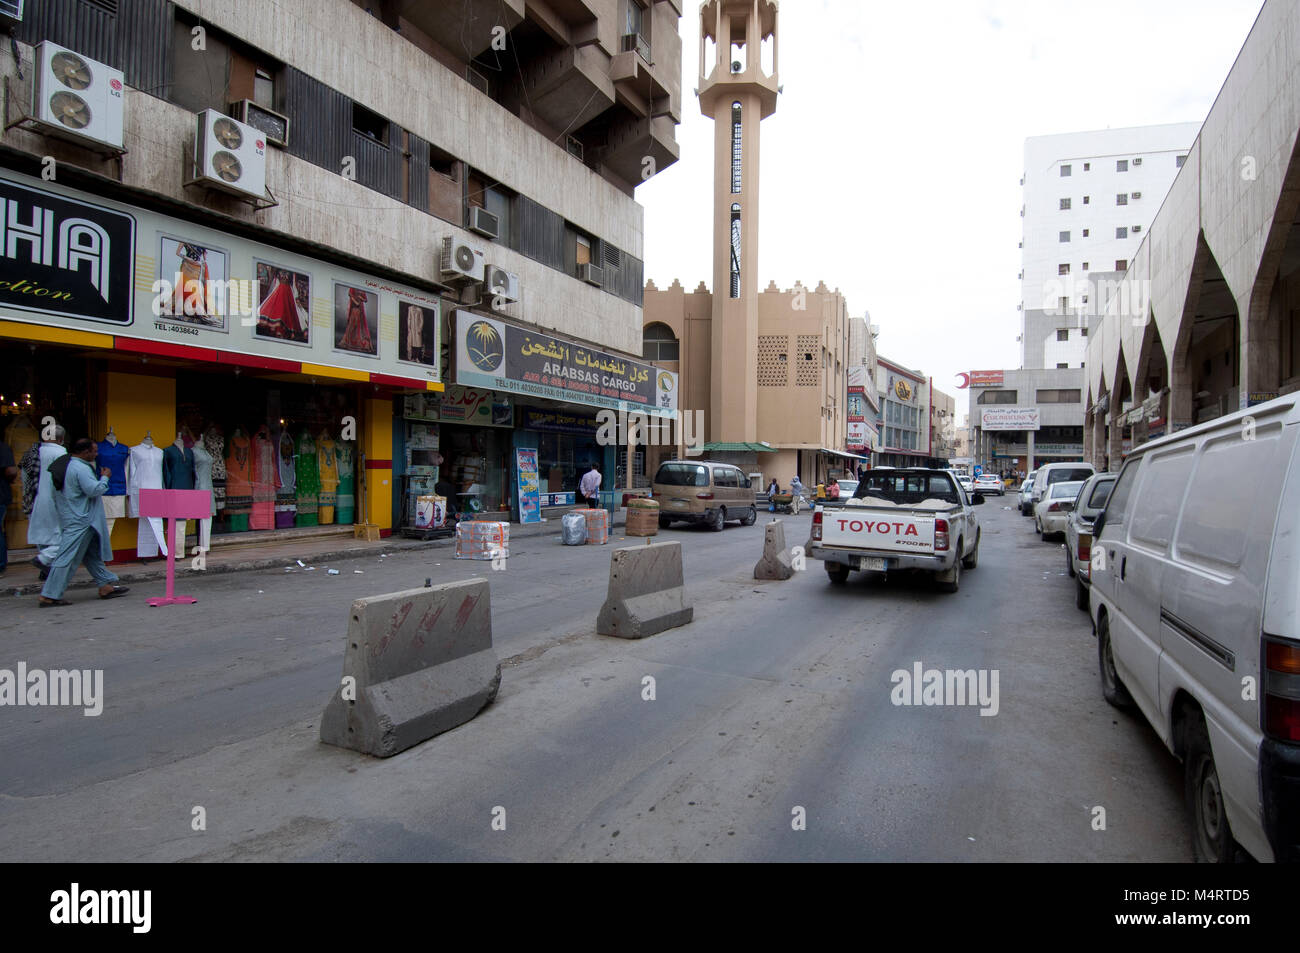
(989, 483)
(1026, 494)
(1051, 512)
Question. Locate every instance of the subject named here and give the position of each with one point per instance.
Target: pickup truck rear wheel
(973, 560)
(951, 585)
(838, 573)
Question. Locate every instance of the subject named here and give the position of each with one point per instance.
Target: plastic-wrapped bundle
(482, 539)
(597, 526)
(573, 529)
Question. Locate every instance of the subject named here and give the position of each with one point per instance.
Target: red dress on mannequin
(266, 478)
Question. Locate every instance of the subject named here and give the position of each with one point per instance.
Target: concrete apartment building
(417, 165)
(904, 421)
(768, 369)
(1206, 320)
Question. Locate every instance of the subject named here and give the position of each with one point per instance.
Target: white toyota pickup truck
(900, 519)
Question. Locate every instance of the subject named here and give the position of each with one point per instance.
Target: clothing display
(265, 478)
(112, 455)
(286, 501)
(356, 333)
(239, 477)
(145, 472)
(415, 335)
(178, 468)
(347, 506)
(214, 441)
(280, 316)
(43, 528)
(29, 471)
(328, 463)
(308, 482)
(114, 510)
(203, 481)
(21, 435)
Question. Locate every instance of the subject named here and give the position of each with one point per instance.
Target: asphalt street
(773, 733)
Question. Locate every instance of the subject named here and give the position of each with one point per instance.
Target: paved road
(775, 702)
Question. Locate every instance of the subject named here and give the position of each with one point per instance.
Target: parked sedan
(1078, 532)
(1051, 512)
(1026, 488)
(989, 483)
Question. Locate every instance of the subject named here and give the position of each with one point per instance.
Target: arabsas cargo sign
(1009, 418)
(876, 532)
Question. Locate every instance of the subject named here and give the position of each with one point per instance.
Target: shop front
(204, 360)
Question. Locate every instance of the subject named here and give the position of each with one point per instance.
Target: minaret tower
(737, 90)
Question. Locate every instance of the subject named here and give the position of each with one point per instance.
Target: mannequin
(214, 441)
(347, 508)
(239, 475)
(203, 463)
(286, 502)
(21, 435)
(308, 481)
(178, 474)
(113, 457)
(145, 472)
(265, 479)
(328, 462)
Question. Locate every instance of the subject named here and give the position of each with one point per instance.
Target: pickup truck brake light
(1084, 551)
(940, 536)
(1281, 695)
(817, 524)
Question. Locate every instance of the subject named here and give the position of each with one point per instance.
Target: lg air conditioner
(591, 274)
(230, 155)
(77, 98)
(483, 222)
(272, 125)
(462, 259)
(501, 283)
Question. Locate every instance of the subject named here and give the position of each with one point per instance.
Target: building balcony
(470, 30)
(631, 140)
(570, 87)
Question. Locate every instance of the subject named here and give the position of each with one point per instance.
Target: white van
(1195, 587)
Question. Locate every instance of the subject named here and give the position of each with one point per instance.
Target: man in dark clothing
(8, 470)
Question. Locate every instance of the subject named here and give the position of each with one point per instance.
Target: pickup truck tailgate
(898, 531)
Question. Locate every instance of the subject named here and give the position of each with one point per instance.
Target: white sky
(891, 168)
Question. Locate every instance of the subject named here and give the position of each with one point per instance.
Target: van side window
(724, 477)
(1161, 497)
(1118, 502)
(1216, 524)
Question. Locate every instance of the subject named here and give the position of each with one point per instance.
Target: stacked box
(482, 539)
(597, 526)
(642, 517)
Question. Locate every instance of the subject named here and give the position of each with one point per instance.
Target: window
(726, 477)
(1061, 365)
(1085, 266)
(1118, 502)
(1065, 171)
(659, 343)
(1085, 233)
(997, 397)
(1178, 161)
(1065, 204)
(1063, 303)
(1121, 199)
(635, 19)
(444, 163)
(1121, 165)
(1087, 167)
(1083, 332)
(1086, 198)
(1058, 396)
(369, 124)
(734, 290)
(1121, 264)
(263, 89)
(1062, 269)
(1161, 498)
(737, 152)
(682, 474)
(582, 247)
(1121, 232)
(1065, 236)
(1062, 334)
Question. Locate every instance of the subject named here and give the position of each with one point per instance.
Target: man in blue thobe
(84, 530)
(43, 525)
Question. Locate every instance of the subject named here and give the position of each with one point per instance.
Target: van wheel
(951, 585)
(1081, 595)
(1212, 841)
(719, 519)
(665, 522)
(1112, 689)
(973, 560)
(838, 573)
(749, 517)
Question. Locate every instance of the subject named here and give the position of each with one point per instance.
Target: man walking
(7, 472)
(43, 527)
(84, 530)
(589, 488)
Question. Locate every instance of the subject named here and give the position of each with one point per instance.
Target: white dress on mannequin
(203, 481)
(145, 473)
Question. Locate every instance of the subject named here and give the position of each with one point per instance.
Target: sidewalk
(22, 579)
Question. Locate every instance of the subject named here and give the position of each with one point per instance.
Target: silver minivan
(1195, 587)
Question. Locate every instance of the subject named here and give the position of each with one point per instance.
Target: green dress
(308, 481)
(347, 504)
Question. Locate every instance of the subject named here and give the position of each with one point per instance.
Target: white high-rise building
(1088, 199)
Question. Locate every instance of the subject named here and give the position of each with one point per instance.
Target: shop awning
(739, 447)
(841, 453)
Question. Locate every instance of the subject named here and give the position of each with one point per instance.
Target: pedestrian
(772, 490)
(83, 527)
(43, 527)
(8, 470)
(589, 488)
(833, 489)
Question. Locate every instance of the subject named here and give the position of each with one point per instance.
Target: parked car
(1196, 608)
(1078, 532)
(967, 484)
(1051, 512)
(1025, 489)
(908, 518)
(1051, 473)
(698, 491)
(989, 483)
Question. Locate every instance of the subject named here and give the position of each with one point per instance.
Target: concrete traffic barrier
(775, 562)
(417, 663)
(646, 593)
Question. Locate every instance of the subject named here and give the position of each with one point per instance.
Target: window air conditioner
(272, 125)
(483, 222)
(591, 274)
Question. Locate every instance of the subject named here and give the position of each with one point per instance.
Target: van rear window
(682, 474)
(1067, 476)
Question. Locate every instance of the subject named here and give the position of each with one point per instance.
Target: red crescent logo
(965, 381)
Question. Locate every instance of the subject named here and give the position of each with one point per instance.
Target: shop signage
(462, 405)
(980, 379)
(117, 269)
(1009, 418)
(64, 257)
(1260, 397)
(557, 499)
(579, 425)
(1040, 450)
(530, 506)
(501, 356)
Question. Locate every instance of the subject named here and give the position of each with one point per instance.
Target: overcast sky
(891, 168)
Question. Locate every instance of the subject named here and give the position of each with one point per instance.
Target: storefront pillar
(134, 405)
(377, 445)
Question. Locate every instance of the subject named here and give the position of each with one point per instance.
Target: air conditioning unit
(591, 274)
(501, 283)
(461, 259)
(11, 12)
(274, 126)
(77, 98)
(230, 155)
(477, 80)
(574, 146)
(1137, 195)
(483, 222)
